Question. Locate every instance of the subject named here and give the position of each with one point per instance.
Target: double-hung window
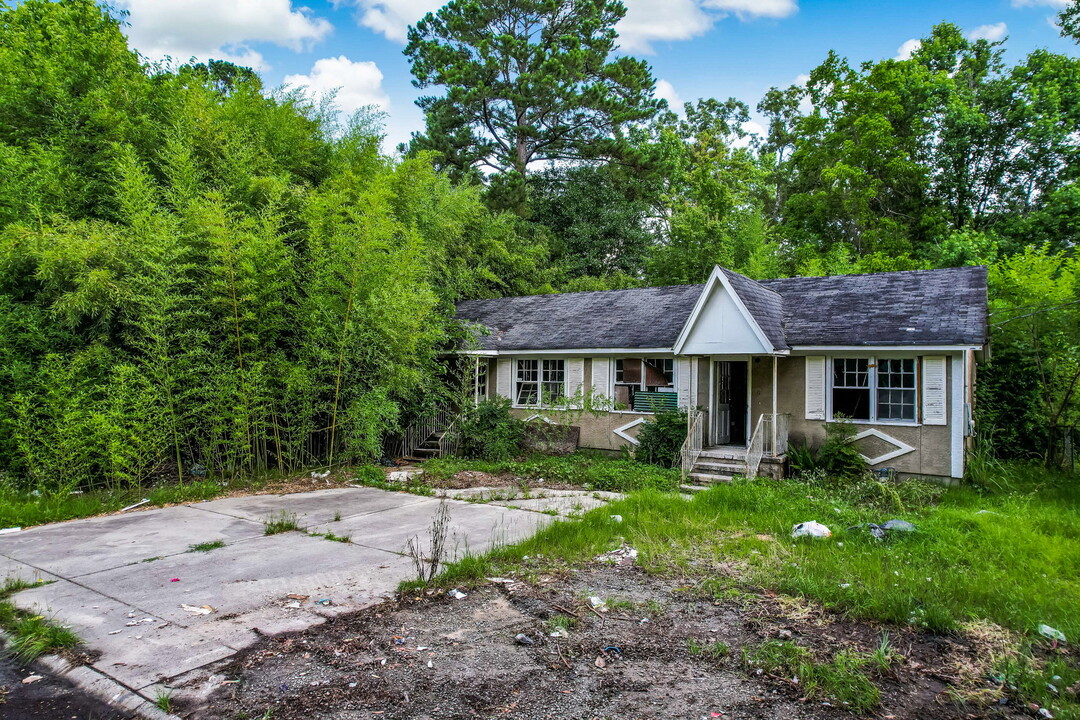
(874, 389)
(540, 382)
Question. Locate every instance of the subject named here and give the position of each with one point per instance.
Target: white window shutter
(601, 378)
(504, 369)
(575, 377)
(934, 390)
(815, 387)
(682, 380)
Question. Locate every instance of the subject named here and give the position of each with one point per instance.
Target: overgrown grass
(206, 546)
(31, 635)
(846, 677)
(1011, 558)
(590, 470)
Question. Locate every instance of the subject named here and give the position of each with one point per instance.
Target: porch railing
(691, 447)
(770, 439)
(417, 433)
(448, 442)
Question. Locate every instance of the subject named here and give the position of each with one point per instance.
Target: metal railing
(770, 438)
(417, 433)
(691, 447)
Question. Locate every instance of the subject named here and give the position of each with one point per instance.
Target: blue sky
(697, 48)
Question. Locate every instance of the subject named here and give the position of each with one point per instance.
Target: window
(645, 384)
(480, 380)
(896, 389)
(869, 389)
(540, 381)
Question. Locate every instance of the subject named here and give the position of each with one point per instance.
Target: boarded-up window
(645, 384)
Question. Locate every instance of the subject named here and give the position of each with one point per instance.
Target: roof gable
(722, 323)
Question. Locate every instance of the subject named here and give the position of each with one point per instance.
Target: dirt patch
(51, 698)
(657, 648)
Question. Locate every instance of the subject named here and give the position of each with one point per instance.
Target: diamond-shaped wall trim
(902, 448)
(622, 431)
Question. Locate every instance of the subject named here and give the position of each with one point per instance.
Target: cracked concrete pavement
(121, 581)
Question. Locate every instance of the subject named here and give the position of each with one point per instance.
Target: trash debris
(294, 605)
(132, 507)
(595, 602)
(1052, 633)
(31, 679)
(320, 475)
(600, 662)
(614, 649)
(989, 512)
(403, 476)
(301, 598)
(523, 639)
(845, 586)
(199, 610)
(560, 633)
(457, 594)
(175, 580)
(1043, 712)
(616, 518)
(898, 526)
(115, 632)
(324, 602)
(133, 623)
(624, 555)
(198, 470)
(8, 531)
(810, 529)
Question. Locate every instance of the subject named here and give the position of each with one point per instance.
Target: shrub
(488, 431)
(661, 438)
(838, 456)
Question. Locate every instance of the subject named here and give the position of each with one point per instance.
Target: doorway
(729, 406)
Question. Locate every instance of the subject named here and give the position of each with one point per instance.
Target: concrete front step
(723, 453)
(692, 489)
(719, 467)
(710, 478)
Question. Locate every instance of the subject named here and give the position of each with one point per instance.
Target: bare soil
(438, 657)
(51, 698)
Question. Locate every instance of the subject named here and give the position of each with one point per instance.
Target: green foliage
(526, 81)
(838, 456)
(488, 431)
(206, 546)
(661, 438)
(280, 522)
(588, 470)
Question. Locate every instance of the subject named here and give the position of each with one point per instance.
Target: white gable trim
(717, 276)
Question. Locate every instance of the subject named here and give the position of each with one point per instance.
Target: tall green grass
(591, 470)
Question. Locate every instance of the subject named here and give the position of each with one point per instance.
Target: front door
(729, 402)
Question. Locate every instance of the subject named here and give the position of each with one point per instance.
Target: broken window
(540, 382)
(645, 384)
(874, 389)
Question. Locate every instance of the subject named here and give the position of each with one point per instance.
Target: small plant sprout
(428, 567)
(206, 546)
(163, 700)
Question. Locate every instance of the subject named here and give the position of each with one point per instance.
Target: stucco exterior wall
(597, 432)
(932, 455)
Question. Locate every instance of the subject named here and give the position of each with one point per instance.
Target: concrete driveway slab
(101, 583)
(74, 548)
(241, 578)
(310, 508)
(473, 528)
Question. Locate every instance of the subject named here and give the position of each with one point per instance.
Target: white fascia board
(717, 276)
(572, 352)
(882, 348)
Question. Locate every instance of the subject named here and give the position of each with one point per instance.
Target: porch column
(774, 446)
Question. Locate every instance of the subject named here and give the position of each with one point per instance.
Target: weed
(337, 517)
(843, 678)
(206, 546)
(561, 622)
(713, 651)
(884, 656)
(332, 537)
(280, 522)
(440, 527)
(34, 636)
(163, 700)
(151, 559)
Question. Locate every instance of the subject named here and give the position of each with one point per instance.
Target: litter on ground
(810, 529)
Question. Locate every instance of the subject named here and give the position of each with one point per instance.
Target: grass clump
(205, 546)
(590, 470)
(844, 678)
(31, 635)
(332, 537)
(163, 700)
(713, 651)
(280, 522)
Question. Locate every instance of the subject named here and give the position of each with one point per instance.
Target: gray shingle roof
(639, 318)
(926, 307)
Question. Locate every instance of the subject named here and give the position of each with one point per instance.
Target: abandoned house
(758, 365)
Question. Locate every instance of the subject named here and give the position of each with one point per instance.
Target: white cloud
(357, 83)
(667, 91)
(646, 21)
(220, 29)
(391, 18)
(1056, 4)
(993, 33)
(905, 51)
